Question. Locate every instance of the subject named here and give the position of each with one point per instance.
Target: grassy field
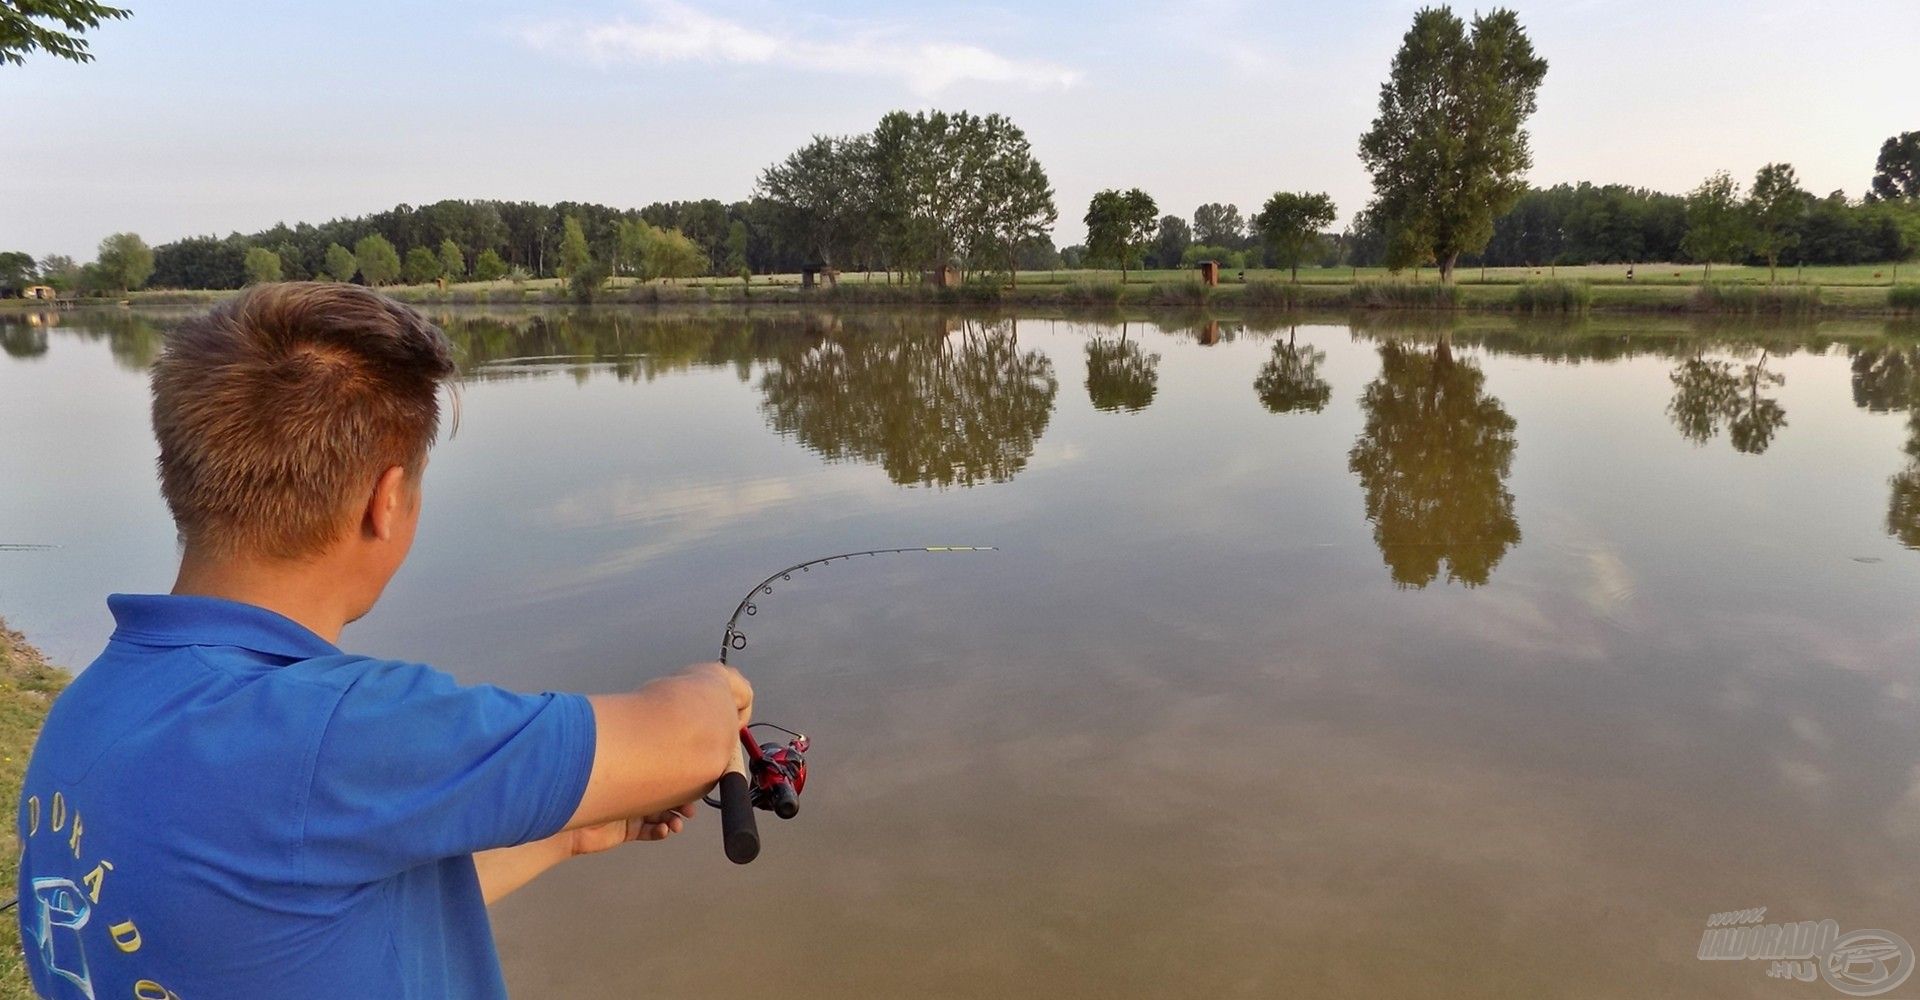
(27, 686)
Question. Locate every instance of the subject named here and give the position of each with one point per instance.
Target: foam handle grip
(738, 832)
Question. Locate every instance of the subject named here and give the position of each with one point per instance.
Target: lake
(1364, 657)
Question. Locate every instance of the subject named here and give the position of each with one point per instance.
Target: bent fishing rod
(771, 776)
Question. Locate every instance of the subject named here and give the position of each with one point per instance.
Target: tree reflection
(1290, 380)
(1433, 461)
(1887, 380)
(22, 340)
(1121, 376)
(930, 407)
(1710, 394)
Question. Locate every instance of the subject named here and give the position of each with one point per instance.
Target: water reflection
(1887, 380)
(1290, 380)
(1121, 376)
(1708, 394)
(935, 402)
(1433, 462)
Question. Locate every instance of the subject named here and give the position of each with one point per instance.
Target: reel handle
(739, 834)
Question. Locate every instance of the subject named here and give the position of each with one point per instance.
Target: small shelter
(44, 293)
(1209, 273)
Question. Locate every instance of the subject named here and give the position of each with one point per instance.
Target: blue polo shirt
(226, 805)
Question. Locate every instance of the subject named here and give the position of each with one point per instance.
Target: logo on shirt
(60, 908)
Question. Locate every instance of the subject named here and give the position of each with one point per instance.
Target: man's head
(294, 423)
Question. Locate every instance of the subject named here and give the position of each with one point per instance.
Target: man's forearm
(505, 869)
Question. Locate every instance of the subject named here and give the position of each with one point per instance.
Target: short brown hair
(278, 410)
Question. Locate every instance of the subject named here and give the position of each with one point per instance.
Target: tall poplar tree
(1448, 149)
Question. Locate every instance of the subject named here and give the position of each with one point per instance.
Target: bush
(586, 280)
(1905, 297)
(1179, 293)
(1553, 296)
(1403, 295)
(1090, 293)
(979, 291)
(1757, 300)
(1271, 294)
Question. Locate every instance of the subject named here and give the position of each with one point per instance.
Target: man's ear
(387, 504)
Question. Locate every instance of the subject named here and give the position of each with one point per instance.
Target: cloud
(677, 33)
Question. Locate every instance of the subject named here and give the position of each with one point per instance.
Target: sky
(204, 117)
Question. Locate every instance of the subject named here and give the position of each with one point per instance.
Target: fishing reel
(767, 776)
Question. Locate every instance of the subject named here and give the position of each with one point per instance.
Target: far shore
(1863, 290)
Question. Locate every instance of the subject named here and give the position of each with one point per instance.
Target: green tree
(1448, 149)
(16, 269)
(1896, 174)
(1219, 225)
(1172, 241)
(488, 266)
(1716, 227)
(1120, 228)
(736, 260)
(673, 255)
(453, 263)
(125, 262)
(60, 271)
(1012, 198)
(339, 264)
(422, 266)
(51, 26)
(262, 266)
(1776, 205)
(574, 253)
(818, 194)
(1291, 224)
(1433, 461)
(378, 261)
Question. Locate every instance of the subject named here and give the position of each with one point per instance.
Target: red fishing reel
(778, 774)
(767, 776)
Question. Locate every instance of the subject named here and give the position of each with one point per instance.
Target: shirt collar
(191, 620)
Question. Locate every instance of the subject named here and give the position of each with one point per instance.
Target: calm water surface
(1321, 661)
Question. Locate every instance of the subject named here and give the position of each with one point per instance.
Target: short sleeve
(414, 767)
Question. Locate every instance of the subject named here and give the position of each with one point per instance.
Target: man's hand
(737, 686)
(605, 836)
(662, 745)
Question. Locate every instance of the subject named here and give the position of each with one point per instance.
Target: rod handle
(739, 833)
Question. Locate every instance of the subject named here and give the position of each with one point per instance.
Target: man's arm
(664, 745)
(505, 869)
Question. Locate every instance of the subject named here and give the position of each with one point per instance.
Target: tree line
(1447, 153)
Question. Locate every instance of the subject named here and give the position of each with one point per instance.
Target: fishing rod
(771, 776)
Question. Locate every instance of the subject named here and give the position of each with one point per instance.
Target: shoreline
(1544, 296)
(28, 685)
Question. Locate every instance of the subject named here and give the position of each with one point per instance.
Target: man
(225, 804)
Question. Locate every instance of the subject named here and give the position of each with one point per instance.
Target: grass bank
(28, 684)
(1832, 291)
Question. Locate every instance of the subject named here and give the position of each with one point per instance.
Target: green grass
(1553, 295)
(1749, 300)
(1403, 295)
(1904, 297)
(27, 686)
